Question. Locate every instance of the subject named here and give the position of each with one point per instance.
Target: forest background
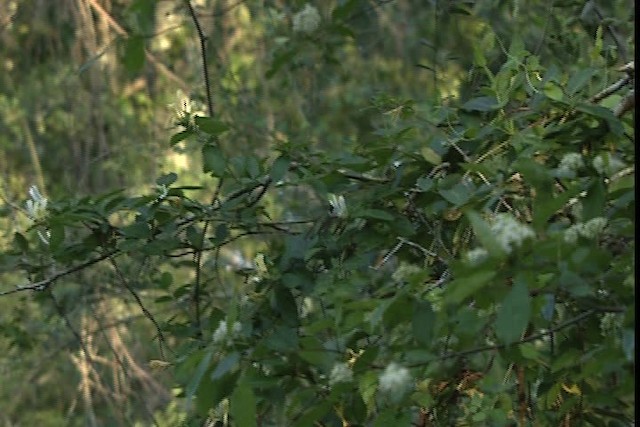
(341, 212)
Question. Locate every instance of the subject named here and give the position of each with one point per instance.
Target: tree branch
(203, 52)
(44, 284)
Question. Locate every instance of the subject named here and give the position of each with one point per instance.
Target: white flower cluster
(476, 256)
(589, 230)
(607, 164)
(37, 205)
(341, 373)
(222, 332)
(569, 165)
(404, 271)
(610, 323)
(308, 306)
(307, 20)
(395, 380)
(36, 210)
(510, 232)
(338, 206)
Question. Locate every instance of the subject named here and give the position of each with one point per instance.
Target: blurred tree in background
(344, 212)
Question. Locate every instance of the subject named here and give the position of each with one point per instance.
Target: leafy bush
(466, 261)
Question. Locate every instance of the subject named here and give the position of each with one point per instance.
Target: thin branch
(44, 284)
(622, 49)
(626, 104)
(144, 309)
(530, 338)
(224, 11)
(148, 55)
(203, 52)
(608, 91)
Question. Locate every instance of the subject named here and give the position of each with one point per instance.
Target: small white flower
(476, 256)
(576, 208)
(571, 234)
(37, 205)
(610, 323)
(162, 191)
(261, 265)
(307, 20)
(341, 373)
(593, 228)
(589, 230)
(510, 232)
(569, 165)
(338, 206)
(404, 271)
(395, 380)
(607, 164)
(220, 333)
(308, 307)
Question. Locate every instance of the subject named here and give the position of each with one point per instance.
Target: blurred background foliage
(89, 91)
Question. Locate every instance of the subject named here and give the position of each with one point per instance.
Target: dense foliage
(364, 213)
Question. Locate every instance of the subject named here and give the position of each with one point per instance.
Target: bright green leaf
(210, 125)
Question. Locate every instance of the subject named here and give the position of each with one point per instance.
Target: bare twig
(626, 104)
(144, 309)
(203, 52)
(610, 90)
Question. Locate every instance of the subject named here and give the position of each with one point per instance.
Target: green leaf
(397, 312)
(56, 237)
(196, 379)
(134, 54)
(211, 392)
(283, 339)
(180, 136)
(613, 122)
(243, 405)
(167, 179)
(483, 103)
(553, 91)
(280, 60)
(459, 194)
(424, 183)
(485, 235)
(20, 242)
(579, 79)
(343, 10)
(594, 203)
(546, 204)
(431, 156)
(137, 230)
(463, 287)
(225, 365)
(314, 414)
(210, 125)
(514, 313)
(376, 214)
(279, 168)
(213, 160)
(285, 305)
(423, 322)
